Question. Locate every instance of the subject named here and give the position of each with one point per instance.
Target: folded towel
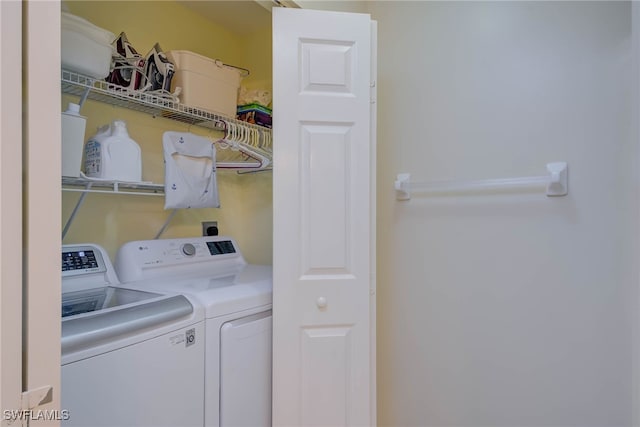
(189, 171)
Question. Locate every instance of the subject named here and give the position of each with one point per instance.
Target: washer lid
(98, 327)
(96, 299)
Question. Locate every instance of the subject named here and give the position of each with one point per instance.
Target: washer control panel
(86, 266)
(82, 259)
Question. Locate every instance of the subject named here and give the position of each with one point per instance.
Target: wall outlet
(209, 228)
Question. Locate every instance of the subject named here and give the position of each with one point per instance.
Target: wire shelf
(246, 150)
(84, 185)
(164, 106)
(149, 103)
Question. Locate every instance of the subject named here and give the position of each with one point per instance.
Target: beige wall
(513, 309)
(246, 200)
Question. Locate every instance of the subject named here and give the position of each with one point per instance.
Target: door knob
(321, 302)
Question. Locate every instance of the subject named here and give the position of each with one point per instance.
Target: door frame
(42, 209)
(30, 213)
(10, 208)
(635, 48)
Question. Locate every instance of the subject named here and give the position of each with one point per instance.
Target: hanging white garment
(189, 171)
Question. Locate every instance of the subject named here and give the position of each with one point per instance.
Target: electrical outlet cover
(206, 225)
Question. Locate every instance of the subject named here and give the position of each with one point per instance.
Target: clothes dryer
(237, 299)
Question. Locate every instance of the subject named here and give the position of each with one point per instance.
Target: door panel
(322, 218)
(325, 200)
(318, 345)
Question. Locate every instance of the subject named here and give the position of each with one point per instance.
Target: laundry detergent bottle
(73, 127)
(112, 155)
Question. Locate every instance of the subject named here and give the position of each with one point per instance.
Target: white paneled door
(323, 238)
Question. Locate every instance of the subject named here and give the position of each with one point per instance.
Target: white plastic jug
(73, 127)
(111, 154)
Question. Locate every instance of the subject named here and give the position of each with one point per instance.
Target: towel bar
(555, 183)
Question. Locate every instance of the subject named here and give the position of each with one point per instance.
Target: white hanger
(237, 138)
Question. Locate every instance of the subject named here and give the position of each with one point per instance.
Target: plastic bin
(86, 48)
(206, 84)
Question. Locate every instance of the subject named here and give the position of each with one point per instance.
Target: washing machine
(237, 299)
(129, 357)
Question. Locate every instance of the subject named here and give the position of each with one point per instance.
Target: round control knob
(188, 249)
(321, 302)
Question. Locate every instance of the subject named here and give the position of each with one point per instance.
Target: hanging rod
(555, 183)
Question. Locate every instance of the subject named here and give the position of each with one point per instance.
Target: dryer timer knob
(188, 249)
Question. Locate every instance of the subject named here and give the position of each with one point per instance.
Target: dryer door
(245, 371)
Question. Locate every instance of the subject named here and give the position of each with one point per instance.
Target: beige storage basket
(206, 83)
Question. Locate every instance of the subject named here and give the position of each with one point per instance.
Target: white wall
(506, 309)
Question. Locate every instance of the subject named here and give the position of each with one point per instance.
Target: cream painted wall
(246, 199)
(492, 310)
(512, 309)
(166, 22)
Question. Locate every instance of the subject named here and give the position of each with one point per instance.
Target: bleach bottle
(112, 155)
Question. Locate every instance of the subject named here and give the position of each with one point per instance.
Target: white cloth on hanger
(189, 171)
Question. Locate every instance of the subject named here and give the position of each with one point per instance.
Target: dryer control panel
(215, 248)
(148, 259)
(220, 248)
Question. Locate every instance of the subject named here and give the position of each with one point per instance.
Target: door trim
(42, 204)
(10, 209)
